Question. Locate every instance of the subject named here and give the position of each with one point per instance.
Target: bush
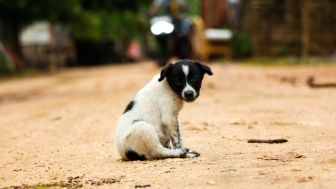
(4, 66)
(241, 46)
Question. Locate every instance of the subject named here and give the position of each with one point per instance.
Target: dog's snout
(189, 94)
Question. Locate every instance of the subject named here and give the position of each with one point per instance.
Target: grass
(285, 61)
(257, 61)
(26, 73)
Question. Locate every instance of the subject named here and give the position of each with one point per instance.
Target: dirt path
(57, 130)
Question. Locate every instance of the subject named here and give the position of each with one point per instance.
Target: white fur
(157, 106)
(188, 88)
(185, 70)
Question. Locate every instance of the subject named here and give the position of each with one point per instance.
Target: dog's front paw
(184, 152)
(192, 154)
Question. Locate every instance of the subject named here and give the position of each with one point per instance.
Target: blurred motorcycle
(173, 37)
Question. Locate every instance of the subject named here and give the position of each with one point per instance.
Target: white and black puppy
(148, 128)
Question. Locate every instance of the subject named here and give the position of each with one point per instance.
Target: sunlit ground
(57, 128)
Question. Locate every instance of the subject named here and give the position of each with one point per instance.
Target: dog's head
(185, 78)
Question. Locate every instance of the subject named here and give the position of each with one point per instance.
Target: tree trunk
(9, 33)
(305, 9)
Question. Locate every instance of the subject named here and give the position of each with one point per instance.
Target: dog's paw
(184, 152)
(192, 154)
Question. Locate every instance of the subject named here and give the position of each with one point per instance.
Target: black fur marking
(164, 71)
(132, 155)
(205, 68)
(185, 151)
(178, 81)
(196, 154)
(129, 106)
(137, 120)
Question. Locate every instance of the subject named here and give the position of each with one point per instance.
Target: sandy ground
(57, 130)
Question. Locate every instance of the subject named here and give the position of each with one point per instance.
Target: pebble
(211, 182)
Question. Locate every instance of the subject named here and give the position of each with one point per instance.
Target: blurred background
(49, 34)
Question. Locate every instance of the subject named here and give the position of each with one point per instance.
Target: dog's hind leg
(144, 140)
(161, 152)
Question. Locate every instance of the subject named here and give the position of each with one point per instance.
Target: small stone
(262, 173)
(205, 123)
(57, 118)
(211, 182)
(305, 179)
(142, 186)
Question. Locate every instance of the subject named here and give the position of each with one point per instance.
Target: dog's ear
(204, 67)
(164, 71)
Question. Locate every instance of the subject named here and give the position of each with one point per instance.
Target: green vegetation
(241, 46)
(283, 61)
(4, 66)
(90, 20)
(193, 6)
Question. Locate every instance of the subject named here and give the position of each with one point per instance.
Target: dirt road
(57, 130)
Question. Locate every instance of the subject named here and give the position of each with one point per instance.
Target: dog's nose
(189, 94)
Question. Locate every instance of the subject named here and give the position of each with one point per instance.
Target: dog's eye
(178, 81)
(195, 79)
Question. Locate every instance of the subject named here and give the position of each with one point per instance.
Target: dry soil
(57, 130)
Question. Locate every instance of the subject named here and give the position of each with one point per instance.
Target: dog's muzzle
(189, 95)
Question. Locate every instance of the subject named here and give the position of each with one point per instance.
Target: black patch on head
(164, 71)
(129, 106)
(177, 80)
(133, 156)
(205, 68)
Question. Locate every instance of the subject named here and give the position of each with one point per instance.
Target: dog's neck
(176, 99)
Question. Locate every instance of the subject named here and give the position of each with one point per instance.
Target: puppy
(148, 128)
